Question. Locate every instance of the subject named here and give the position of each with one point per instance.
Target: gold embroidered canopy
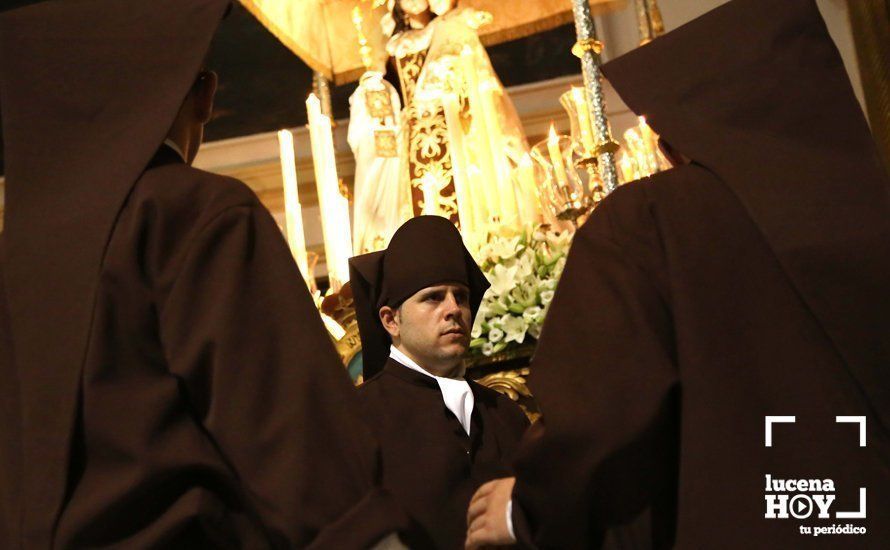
(322, 32)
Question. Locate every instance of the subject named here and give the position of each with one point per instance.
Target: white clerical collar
(456, 392)
(175, 146)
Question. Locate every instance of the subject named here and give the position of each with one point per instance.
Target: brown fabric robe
(167, 381)
(212, 408)
(430, 464)
(695, 303)
(10, 429)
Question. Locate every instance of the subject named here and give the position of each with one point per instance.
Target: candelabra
(649, 20)
(588, 49)
(562, 191)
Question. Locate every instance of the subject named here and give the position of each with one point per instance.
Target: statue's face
(441, 7)
(414, 7)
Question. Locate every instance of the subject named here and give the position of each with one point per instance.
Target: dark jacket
(430, 464)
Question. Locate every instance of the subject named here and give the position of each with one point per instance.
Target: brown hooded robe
(429, 462)
(753, 282)
(167, 381)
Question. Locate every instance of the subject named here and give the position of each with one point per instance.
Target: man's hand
(487, 516)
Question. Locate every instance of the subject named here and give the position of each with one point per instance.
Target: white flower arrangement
(523, 269)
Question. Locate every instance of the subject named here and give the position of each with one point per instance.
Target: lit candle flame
(556, 157)
(552, 137)
(526, 161)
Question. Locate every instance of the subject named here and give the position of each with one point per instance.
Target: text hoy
(801, 505)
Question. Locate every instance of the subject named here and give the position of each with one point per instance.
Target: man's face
(432, 326)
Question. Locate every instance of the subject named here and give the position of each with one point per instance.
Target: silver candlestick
(588, 49)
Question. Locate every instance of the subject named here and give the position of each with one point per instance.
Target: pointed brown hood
(756, 92)
(89, 89)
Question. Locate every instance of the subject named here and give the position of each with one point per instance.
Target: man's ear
(204, 93)
(389, 318)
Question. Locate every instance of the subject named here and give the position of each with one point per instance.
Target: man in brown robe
(441, 434)
(167, 381)
(725, 324)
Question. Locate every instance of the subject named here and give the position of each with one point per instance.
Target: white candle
(333, 205)
(507, 203)
(556, 157)
(296, 239)
(627, 169)
(584, 127)
(650, 142)
(527, 196)
(480, 140)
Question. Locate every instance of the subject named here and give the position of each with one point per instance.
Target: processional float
(450, 144)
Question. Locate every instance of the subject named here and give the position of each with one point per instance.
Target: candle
(584, 126)
(650, 142)
(480, 139)
(627, 168)
(527, 192)
(296, 239)
(333, 205)
(507, 203)
(556, 158)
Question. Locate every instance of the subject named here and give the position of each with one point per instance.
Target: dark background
(263, 86)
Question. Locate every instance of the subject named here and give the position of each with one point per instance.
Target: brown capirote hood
(755, 91)
(89, 90)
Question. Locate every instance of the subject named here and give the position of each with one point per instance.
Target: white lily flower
(476, 331)
(495, 335)
(531, 314)
(548, 284)
(497, 306)
(547, 297)
(515, 328)
(502, 279)
(504, 248)
(559, 240)
(487, 349)
(525, 294)
(525, 266)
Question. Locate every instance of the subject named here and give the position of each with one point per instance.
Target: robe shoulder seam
(196, 235)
